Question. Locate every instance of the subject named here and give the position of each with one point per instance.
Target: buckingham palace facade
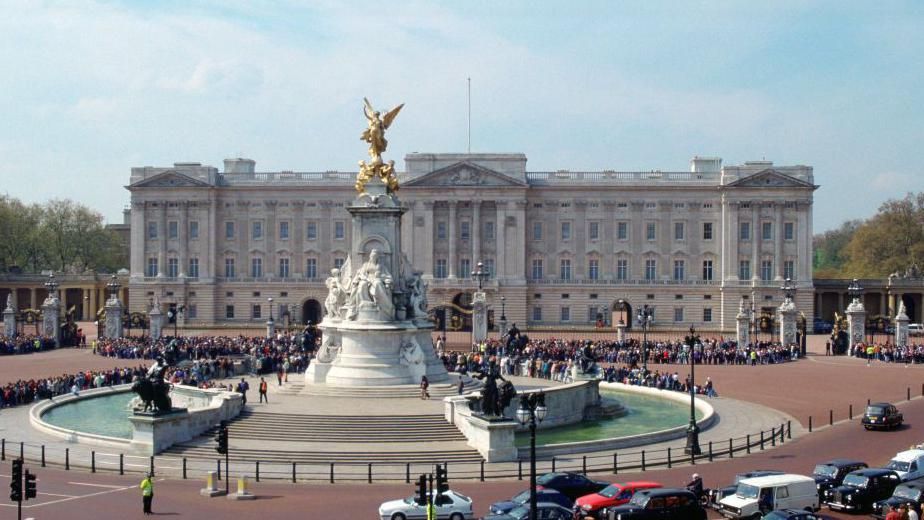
(563, 248)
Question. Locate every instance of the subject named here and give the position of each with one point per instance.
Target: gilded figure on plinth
(374, 134)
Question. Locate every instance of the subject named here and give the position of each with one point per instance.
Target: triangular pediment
(465, 173)
(170, 179)
(771, 178)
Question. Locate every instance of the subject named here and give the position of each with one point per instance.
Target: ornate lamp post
(503, 317)
(789, 289)
(692, 447)
(645, 316)
(113, 285)
(532, 411)
(52, 286)
(480, 274)
(270, 300)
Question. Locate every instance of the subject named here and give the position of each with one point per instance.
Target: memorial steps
(276, 437)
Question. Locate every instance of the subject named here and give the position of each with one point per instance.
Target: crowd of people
(887, 353)
(25, 344)
(27, 391)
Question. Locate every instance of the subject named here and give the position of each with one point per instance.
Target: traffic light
(421, 498)
(16, 481)
(442, 480)
(30, 485)
(171, 313)
(222, 439)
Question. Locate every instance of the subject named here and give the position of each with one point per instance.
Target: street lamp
(789, 289)
(532, 411)
(270, 300)
(52, 285)
(645, 316)
(503, 317)
(480, 274)
(113, 286)
(692, 447)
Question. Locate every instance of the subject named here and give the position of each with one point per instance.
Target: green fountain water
(104, 415)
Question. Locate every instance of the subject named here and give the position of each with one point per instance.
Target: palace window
(173, 230)
(593, 269)
(650, 231)
(679, 268)
(229, 230)
(766, 270)
(489, 267)
(622, 230)
(439, 270)
(465, 230)
(707, 270)
(678, 230)
(193, 229)
(537, 269)
(707, 315)
(256, 267)
(537, 313)
(622, 269)
(256, 312)
(651, 269)
(311, 231)
(744, 232)
(707, 230)
(789, 231)
(441, 230)
(678, 314)
(566, 231)
(564, 271)
(152, 229)
(229, 312)
(229, 268)
(152, 267)
(537, 230)
(593, 231)
(789, 269)
(194, 267)
(465, 268)
(173, 267)
(283, 230)
(311, 268)
(766, 231)
(489, 230)
(339, 230)
(744, 269)
(283, 268)
(565, 314)
(256, 229)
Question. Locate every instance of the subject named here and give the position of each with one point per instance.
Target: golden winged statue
(374, 134)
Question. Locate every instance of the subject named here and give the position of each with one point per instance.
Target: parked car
(909, 464)
(861, 489)
(787, 491)
(611, 496)
(542, 495)
(884, 416)
(546, 510)
(910, 493)
(658, 504)
(830, 474)
(820, 326)
(791, 514)
(449, 506)
(916, 329)
(572, 485)
(716, 495)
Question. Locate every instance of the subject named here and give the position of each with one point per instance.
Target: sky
(91, 89)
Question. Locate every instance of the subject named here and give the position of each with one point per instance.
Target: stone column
(479, 317)
(94, 305)
(9, 318)
(428, 243)
(787, 316)
(519, 236)
(901, 327)
(501, 237)
(271, 267)
(476, 232)
(51, 318)
(138, 239)
(452, 261)
(157, 320)
(743, 325)
(270, 328)
(298, 237)
(33, 299)
(85, 305)
(114, 317)
(778, 242)
(182, 235)
(840, 300)
(162, 247)
(755, 241)
(856, 321)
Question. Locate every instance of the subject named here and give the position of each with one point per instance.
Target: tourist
(242, 388)
(461, 385)
(263, 391)
(424, 388)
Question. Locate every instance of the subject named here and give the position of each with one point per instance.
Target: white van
(787, 491)
(909, 464)
(916, 329)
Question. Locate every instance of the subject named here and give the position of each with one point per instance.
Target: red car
(611, 496)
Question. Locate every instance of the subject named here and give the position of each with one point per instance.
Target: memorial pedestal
(152, 434)
(494, 440)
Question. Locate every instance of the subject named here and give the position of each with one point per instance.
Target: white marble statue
(371, 285)
(335, 295)
(9, 302)
(417, 289)
(328, 351)
(411, 353)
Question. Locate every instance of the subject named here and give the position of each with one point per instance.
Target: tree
(890, 241)
(830, 255)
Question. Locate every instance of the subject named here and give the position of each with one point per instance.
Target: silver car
(449, 506)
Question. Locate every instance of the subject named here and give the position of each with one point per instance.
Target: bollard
(553, 464)
(67, 459)
(122, 463)
(850, 412)
(773, 437)
(184, 467)
(830, 417)
(643, 460)
(761, 440)
(219, 468)
(731, 449)
(867, 401)
(407, 473)
(370, 473)
(43, 455)
(909, 393)
(789, 429)
(668, 457)
(211, 486)
(3, 441)
(615, 464)
(710, 451)
(293, 473)
(242, 492)
(152, 466)
(519, 470)
(22, 451)
(92, 462)
(810, 424)
(747, 444)
(584, 464)
(331, 472)
(482, 470)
